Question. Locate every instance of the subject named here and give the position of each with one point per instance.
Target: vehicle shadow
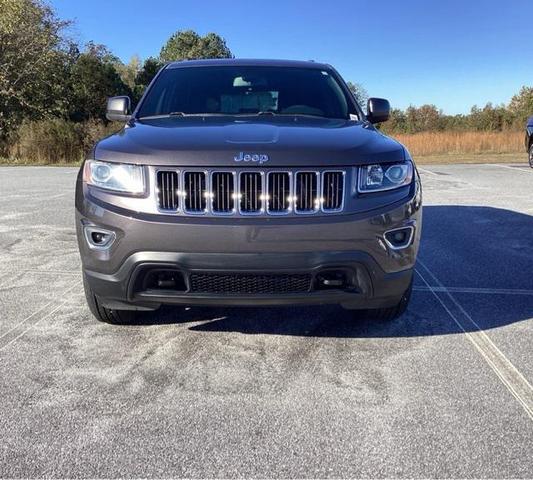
(462, 247)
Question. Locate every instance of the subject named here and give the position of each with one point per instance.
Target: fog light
(98, 238)
(331, 279)
(399, 237)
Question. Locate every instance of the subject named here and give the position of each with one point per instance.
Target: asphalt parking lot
(444, 391)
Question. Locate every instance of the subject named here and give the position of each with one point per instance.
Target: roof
(248, 62)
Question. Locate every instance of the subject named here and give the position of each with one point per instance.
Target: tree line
(54, 90)
(490, 118)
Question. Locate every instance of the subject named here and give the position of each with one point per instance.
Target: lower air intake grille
(251, 284)
(167, 190)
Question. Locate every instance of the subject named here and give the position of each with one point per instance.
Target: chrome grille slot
(279, 192)
(306, 192)
(167, 190)
(223, 192)
(251, 192)
(332, 191)
(195, 192)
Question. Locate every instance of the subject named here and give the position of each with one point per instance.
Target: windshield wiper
(163, 115)
(313, 115)
(252, 114)
(176, 114)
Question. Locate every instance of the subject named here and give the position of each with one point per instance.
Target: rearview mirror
(378, 110)
(118, 109)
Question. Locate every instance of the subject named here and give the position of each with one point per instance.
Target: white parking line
(44, 272)
(515, 169)
(450, 178)
(20, 324)
(508, 374)
(490, 291)
(14, 278)
(56, 272)
(420, 169)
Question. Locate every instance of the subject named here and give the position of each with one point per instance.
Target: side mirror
(378, 110)
(118, 109)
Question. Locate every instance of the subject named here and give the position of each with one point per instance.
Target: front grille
(258, 192)
(167, 190)
(195, 192)
(249, 284)
(307, 200)
(251, 194)
(333, 191)
(279, 192)
(223, 188)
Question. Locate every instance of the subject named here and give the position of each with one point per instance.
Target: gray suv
(247, 182)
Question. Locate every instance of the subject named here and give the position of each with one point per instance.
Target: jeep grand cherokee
(247, 182)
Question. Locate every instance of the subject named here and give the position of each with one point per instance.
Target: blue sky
(452, 53)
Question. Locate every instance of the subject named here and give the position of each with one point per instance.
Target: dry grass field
(426, 148)
(462, 143)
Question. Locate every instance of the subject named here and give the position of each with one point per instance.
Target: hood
(279, 141)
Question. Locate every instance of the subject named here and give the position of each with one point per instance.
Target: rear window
(242, 90)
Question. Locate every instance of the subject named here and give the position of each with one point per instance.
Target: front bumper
(373, 287)
(351, 242)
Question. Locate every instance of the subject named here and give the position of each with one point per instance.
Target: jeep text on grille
(254, 157)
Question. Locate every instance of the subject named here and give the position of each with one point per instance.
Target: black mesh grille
(306, 192)
(195, 192)
(252, 284)
(223, 192)
(279, 190)
(167, 190)
(333, 190)
(251, 192)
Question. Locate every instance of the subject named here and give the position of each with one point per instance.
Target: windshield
(245, 90)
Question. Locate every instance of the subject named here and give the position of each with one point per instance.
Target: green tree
(34, 60)
(128, 71)
(93, 79)
(521, 106)
(397, 122)
(489, 118)
(144, 76)
(360, 94)
(188, 45)
(150, 67)
(429, 118)
(424, 118)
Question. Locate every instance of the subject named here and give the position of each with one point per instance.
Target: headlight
(377, 178)
(120, 177)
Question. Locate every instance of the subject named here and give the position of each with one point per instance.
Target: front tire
(531, 155)
(390, 313)
(106, 315)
